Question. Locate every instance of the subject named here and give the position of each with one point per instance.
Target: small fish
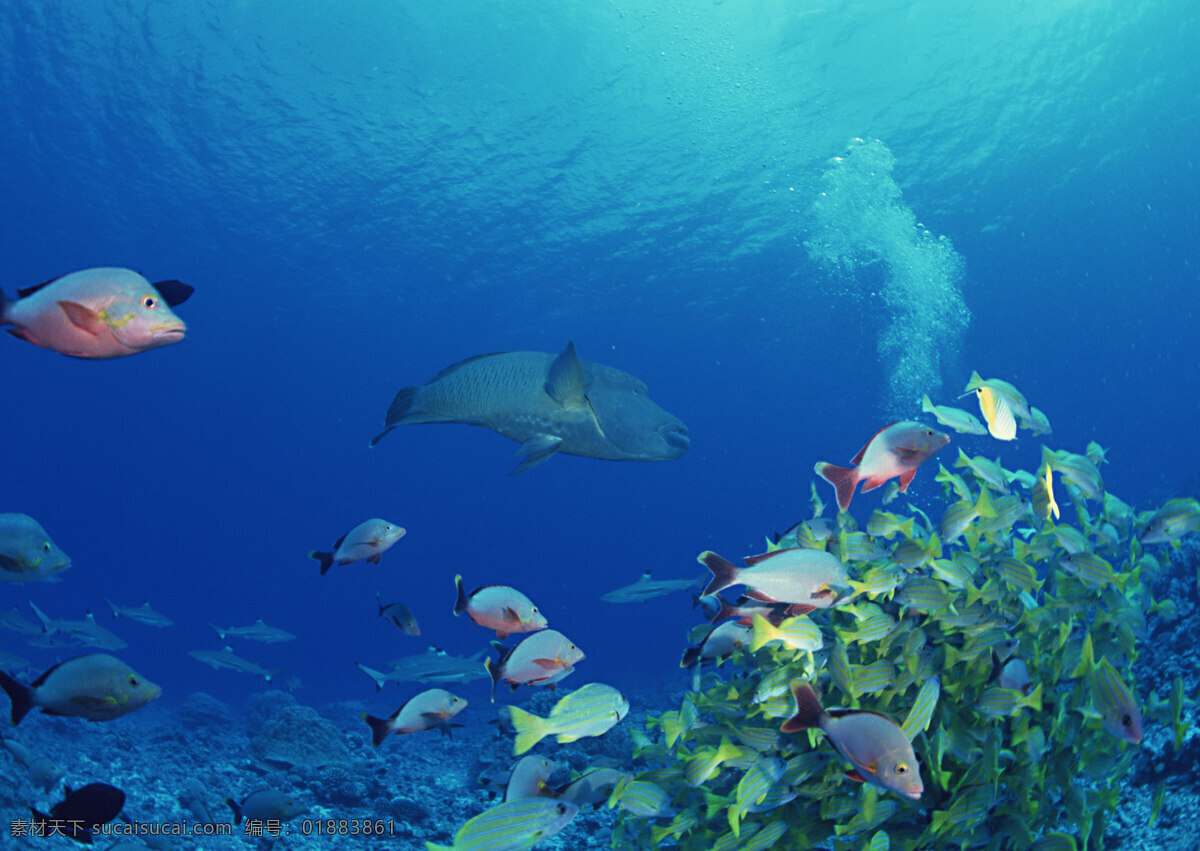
(1001, 702)
(257, 631)
(744, 611)
(27, 554)
(511, 826)
(896, 450)
(547, 403)
(752, 789)
(79, 812)
(23, 756)
(876, 745)
(498, 607)
(798, 633)
(1116, 704)
(425, 711)
(987, 471)
(1014, 674)
(1038, 422)
(540, 659)
(1078, 470)
(1175, 519)
(963, 422)
(590, 710)
(142, 614)
(266, 805)
(97, 687)
(59, 632)
(44, 773)
(721, 642)
(707, 761)
(398, 616)
(528, 779)
(97, 313)
(1001, 405)
(800, 576)
(225, 658)
(367, 541)
(646, 588)
(642, 798)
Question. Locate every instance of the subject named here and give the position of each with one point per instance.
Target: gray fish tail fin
(691, 657)
(494, 671)
(273, 673)
(21, 697)
(460, 605)
(112, 606)
(400, 408)
(808, 709)
(381, 728)
(724, 572)
(237, 811)
(324, 559)
(377, 676)
(220, 632)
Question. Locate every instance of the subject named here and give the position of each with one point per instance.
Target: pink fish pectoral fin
(82, 318)
(375, 559)
(869, 484)
(19, 333)
(855, 776)
(906, 479)
(548, 664)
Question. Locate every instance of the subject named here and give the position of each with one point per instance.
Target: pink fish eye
(149, 302)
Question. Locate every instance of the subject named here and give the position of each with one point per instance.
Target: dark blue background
(365, 192)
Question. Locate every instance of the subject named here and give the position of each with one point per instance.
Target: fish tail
(220, 632)
(272, 674)
(237, 811)
(400, 408)
(843, 479)
(378, 677)
(381, 728)
(724, 572)
(21, 697)
(808, 709)
(324, 559)
(764, 633)
(111, 605)
(460, 604)
(530, 729)
(690, 657)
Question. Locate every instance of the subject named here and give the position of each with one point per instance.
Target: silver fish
(26, 552)
(97, 313)
(646, 588)
(432, 666)
(548, 404)
(59, 632)
(97, 687)
(257, 631)
(142, 614)
(225, 658)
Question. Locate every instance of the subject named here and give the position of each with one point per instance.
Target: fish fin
(869, 484)
(906, 478)
(751, 561)
(855, 776)
(760, 596)
(402, 412)
(113, 606)
(690, 657)
(237, 810)
(502, 634)
(375, 559)
(19, 333)
(724, 572)
(83, 318)
(462, 601)
(791, 611)
(174, 292)
(494, 673)
(379, 677)
(530, 729)
(843, 479)
(565, 382)
(20, 695)
(548, 664)
(808, 709)
(381, 728)
(536, 450)
(324, 559)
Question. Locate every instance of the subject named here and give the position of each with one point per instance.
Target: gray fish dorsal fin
(456, 366)
(565, 382)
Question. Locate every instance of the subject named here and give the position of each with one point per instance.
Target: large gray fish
(547, 403)
(97, 687)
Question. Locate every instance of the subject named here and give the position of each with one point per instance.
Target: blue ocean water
(365, 192)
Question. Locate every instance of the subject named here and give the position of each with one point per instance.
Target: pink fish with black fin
(498, 607)
(895, 451)
(97, 313)
(541, 659)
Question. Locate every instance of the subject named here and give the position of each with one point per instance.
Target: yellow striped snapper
(801, 576)
(1038, 422)
(1171, 522)
(590, 710)
(859, 546)
(1002, 702)
(758, 839)
(874, 624)
(1091, 570)
(921, 714)
(874, 744)
(968, 809)
(756, 782)
(924, 594)
(1069, 538)
(874, 678)
(1009, 510)
(959, 516)
(952, 483)
(987, 471)
(798, 633)
(684, 822)
(963, 422)
(1115, 702)
(511, 826)
(642, 798)
(707, 761)
(884, 524)
(958, 571)
(1078, 470)
(1017, 574)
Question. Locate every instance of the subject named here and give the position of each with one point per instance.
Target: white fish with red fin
(365, 542)
(807, 578)
(895, 451)
(498, 607)
(540, 659)
(97, 313)
(427, 710)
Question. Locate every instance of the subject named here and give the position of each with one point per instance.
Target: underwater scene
(582, 425)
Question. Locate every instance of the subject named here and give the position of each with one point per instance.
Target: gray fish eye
(46, 547)
(149, 302)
